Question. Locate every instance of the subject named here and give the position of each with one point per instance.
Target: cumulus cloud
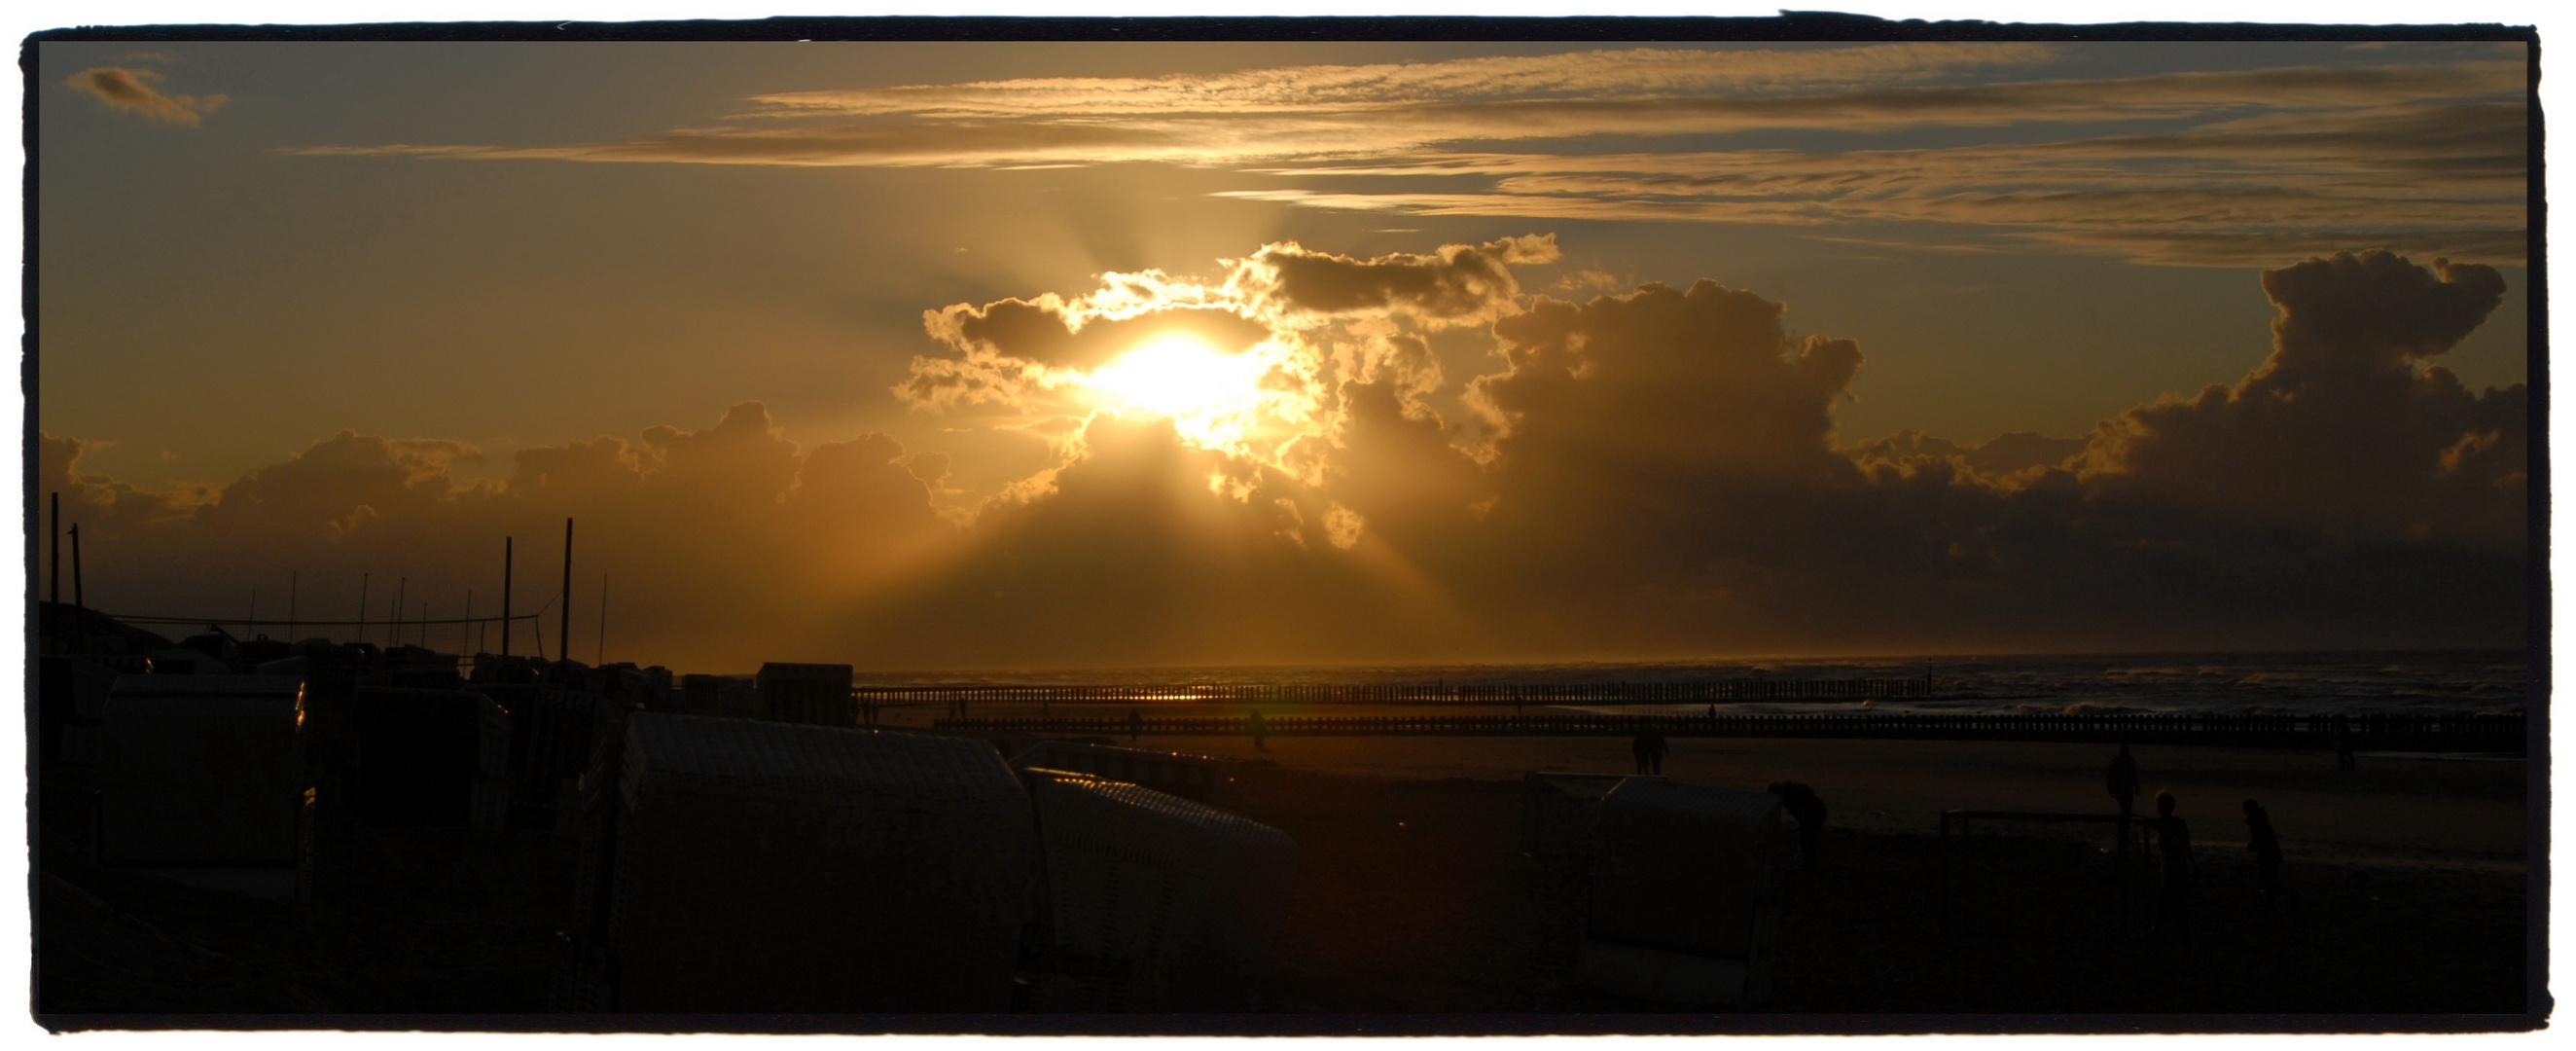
(2347, 426)
(1457, 284)
(727, 541)
(132, 90)
(1653, 473)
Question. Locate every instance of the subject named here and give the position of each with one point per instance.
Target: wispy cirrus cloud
(132, 90)
(2163, 167)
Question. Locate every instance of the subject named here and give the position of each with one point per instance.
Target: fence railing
(2444, 733)
(1713, 690)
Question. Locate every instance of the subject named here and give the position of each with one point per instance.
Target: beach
(1415, 894)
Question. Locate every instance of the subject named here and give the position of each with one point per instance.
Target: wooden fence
(1709, 691)
(2429, 733)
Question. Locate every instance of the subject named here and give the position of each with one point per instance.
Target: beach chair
(1149, 902)
(1172, 773)
(1682, 908)
(430, 759)
(202, 780)
(769, 867)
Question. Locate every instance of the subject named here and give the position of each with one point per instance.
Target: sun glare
(1205, 391)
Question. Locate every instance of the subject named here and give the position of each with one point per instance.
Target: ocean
(2387, 682)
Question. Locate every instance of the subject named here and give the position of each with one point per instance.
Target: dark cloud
(1456, 284)
(1049, 332)
(727, 542)
(131, 90)
(2344, 427)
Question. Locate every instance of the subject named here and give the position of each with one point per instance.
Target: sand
(1413, 894)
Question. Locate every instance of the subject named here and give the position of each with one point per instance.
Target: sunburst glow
(1214, 399)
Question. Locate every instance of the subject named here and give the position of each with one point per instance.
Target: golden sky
(1026, 354)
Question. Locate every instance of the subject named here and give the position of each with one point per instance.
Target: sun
(1179, 375)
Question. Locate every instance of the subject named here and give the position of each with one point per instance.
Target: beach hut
(202, 779)
(769, 867)
(430, 759)
(1186, 776)
(70, 694)
(553, 731)
(1682, 908)
(1150, 902)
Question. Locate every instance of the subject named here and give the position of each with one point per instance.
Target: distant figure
(1135, 725)
(1258, 731)
(1712, 711)
(1650, 749)
(2267, 854)
(1802, 803)
(2123, 780)
(2173, 892)
(2343, 742)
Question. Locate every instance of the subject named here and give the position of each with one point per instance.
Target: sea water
(2319, 683)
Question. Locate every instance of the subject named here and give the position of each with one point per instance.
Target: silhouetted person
(2178, 871)
(1802, 804)
(1258, 731)
(2343, 742)
(1135, 725)
(2267, 854)
(1650, 749)
(2123, 780)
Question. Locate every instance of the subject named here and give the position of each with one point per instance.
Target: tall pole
(80, 603)
(465, 631)
(362, 607)
(565, 632)
(393, 633)
(602, 658)
(506, 543)
(58, 549)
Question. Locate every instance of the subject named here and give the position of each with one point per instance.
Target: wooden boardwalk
(2424, 733)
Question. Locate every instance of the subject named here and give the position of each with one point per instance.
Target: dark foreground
(1411, 897)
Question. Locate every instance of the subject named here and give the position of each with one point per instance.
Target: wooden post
(564, 636)
(80, 604)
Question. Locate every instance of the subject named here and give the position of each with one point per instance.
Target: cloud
(131, 90)
(2347, 427)
(2195, 167)
(2428, 178)
(1653, 473)
(1457, 284)
(726, 542)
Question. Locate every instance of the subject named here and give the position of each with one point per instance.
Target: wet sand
(2391, 808)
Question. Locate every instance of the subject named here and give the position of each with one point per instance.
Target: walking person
(2267, 854)
(1135, 725)
(2177, 869)
(2123, 779)
(2343, 742)
(1258, 731)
